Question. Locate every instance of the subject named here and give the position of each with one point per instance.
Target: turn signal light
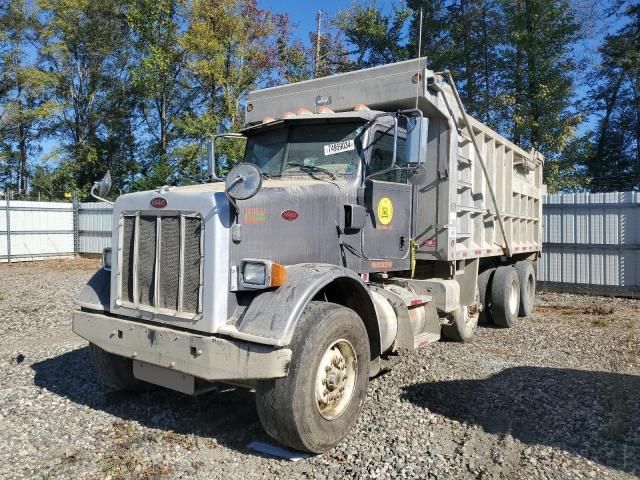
(278, 275)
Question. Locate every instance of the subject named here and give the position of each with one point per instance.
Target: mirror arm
(95, 195)
(211, 155)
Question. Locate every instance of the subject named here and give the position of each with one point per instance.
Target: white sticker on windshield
(334, 148)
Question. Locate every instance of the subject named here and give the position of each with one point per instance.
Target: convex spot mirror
(418, 176)
(243, 181)
(104, 185)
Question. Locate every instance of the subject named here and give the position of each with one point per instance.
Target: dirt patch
(57, 265)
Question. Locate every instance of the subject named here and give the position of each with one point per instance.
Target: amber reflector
(278, 274)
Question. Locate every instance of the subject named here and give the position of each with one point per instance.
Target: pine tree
(373, 37)
(540, 83)
(613, 161)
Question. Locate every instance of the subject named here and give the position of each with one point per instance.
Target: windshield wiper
(311, 168)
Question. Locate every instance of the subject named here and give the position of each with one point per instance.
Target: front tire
(114, 371)
(317, 404)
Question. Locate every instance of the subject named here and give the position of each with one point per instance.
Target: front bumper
(206, 357)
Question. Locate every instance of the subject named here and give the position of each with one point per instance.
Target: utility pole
(317, 61)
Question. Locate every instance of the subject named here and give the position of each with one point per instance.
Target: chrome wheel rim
(513, 298)
(336, 379)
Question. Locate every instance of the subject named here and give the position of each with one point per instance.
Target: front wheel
(317, 404)
(114, 371)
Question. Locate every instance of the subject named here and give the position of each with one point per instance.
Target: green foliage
(24, 102)
(133, 86)
(541, 86)
(376, 38)
(614, 163)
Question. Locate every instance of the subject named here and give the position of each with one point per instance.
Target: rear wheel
(485, 279)
(527, 278)
(505, 297)
(114, 371)
(317, 404)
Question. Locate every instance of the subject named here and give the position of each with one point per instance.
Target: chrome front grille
(160, 263)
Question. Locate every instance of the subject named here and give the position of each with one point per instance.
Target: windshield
(321, 149)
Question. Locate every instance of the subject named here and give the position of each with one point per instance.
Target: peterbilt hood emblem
(158, 202)
(290, 215)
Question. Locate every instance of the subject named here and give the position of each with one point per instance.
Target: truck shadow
(592, 414)
(227, 415)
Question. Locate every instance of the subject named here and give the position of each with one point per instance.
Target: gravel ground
(556, 397)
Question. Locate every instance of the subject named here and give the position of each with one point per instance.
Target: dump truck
(370, 216)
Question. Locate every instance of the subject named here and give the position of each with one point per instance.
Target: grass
(601, 321)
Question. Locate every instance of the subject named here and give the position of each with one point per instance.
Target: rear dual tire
(505, 296)
(527, 278)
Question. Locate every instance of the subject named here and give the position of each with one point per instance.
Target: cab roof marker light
(303, 111)
(288, 115)
(324, 109)
(360, 107)
(268, 120)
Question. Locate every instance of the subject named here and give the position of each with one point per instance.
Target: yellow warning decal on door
(385, 211)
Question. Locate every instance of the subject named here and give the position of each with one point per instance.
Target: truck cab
(333, 242)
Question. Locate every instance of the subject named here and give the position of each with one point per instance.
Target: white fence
(33, 230)
(591, 241)
(30, 230)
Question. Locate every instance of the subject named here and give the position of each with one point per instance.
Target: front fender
(272, 315)
(95, 294)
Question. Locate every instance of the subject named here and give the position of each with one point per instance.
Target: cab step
(425, 339)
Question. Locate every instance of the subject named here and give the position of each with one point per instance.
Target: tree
(81, 46)
(159, 77)
(23, 100)
(614, 159)
(540, 87)
(375, 38)
(231, 47)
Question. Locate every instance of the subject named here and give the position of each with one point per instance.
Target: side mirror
(395, 146)
(418, 127)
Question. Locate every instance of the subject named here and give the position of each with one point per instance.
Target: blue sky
(303, 16)
(591, 12)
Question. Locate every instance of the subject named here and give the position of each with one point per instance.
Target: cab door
(387, 232)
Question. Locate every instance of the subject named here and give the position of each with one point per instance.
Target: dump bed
(455, 215)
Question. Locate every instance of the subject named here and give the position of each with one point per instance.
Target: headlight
(106, 259)
(254, 273)
(261, 274)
